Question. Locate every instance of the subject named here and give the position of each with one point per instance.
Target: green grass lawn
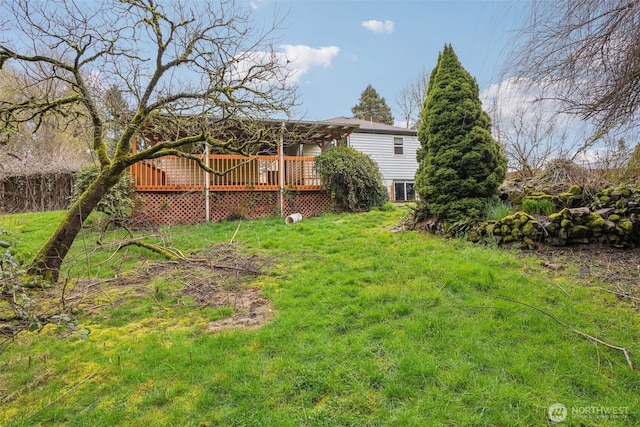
(371, 327)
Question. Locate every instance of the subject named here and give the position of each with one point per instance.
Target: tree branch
(572, 329)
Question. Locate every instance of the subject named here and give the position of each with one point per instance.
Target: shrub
(117, 203)
(352, 178)
(495, 210)
(16, 305)
(538, 206)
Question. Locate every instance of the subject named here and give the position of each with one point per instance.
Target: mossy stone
(529, 243)
(525, 217)
(489, 228)
(555, 217)
(593, 220)
(604, 199)
(566, 223)
(575, 190)
(626, 225)
(578, 232)
(622, 203)
(562, 233)
(626, 191)
(516, 233)
(529, 229)
(566, 213)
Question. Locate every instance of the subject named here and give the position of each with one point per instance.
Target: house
(392, 148)
(279, 177)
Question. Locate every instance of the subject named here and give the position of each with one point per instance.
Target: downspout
(207, 215)
(281, 169)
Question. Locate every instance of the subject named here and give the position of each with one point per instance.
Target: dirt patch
(614, 270)
(221, 282)
(250, 310)
(217, 276)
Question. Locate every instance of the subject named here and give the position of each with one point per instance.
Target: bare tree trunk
(49, 259)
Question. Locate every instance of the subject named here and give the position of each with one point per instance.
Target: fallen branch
(560, 322)
(618, 294)
(171, 254)
(244, 269)
(234, 234)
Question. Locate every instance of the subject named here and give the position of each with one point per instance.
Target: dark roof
(367, 126)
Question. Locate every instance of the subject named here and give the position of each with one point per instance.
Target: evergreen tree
(372, 107)
(461, 166)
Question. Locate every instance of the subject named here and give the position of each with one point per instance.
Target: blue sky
(342, 46)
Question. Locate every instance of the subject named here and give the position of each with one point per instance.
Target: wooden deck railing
(171, 173)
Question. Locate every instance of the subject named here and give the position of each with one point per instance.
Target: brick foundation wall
(174, 208)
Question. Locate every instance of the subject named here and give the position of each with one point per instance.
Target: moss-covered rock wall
(610, 216)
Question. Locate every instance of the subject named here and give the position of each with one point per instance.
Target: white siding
(311, 150)
(394, 167)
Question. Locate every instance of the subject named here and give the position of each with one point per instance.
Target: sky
(340, 47)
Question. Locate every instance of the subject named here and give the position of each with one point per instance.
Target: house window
(403, 191)
(398, 145)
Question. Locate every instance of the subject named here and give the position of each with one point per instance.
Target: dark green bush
(352, 178)
(461, 166)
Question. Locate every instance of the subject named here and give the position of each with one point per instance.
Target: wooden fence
(36, 192)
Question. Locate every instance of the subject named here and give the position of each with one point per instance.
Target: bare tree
(45, 150)
(411, 98)
(183, 68)
(587, 54)
(531, 133)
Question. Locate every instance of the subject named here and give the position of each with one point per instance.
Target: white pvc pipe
(293, 218)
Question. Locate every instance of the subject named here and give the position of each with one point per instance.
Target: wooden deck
(237, 173)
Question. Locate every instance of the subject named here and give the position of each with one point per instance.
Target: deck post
(207, 214)
(281, 168)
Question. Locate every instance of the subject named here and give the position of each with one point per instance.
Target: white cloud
(300, 58)
(293, 61)
(380, 27)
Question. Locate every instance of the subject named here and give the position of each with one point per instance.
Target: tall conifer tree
(372, 107)
(461, 166)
